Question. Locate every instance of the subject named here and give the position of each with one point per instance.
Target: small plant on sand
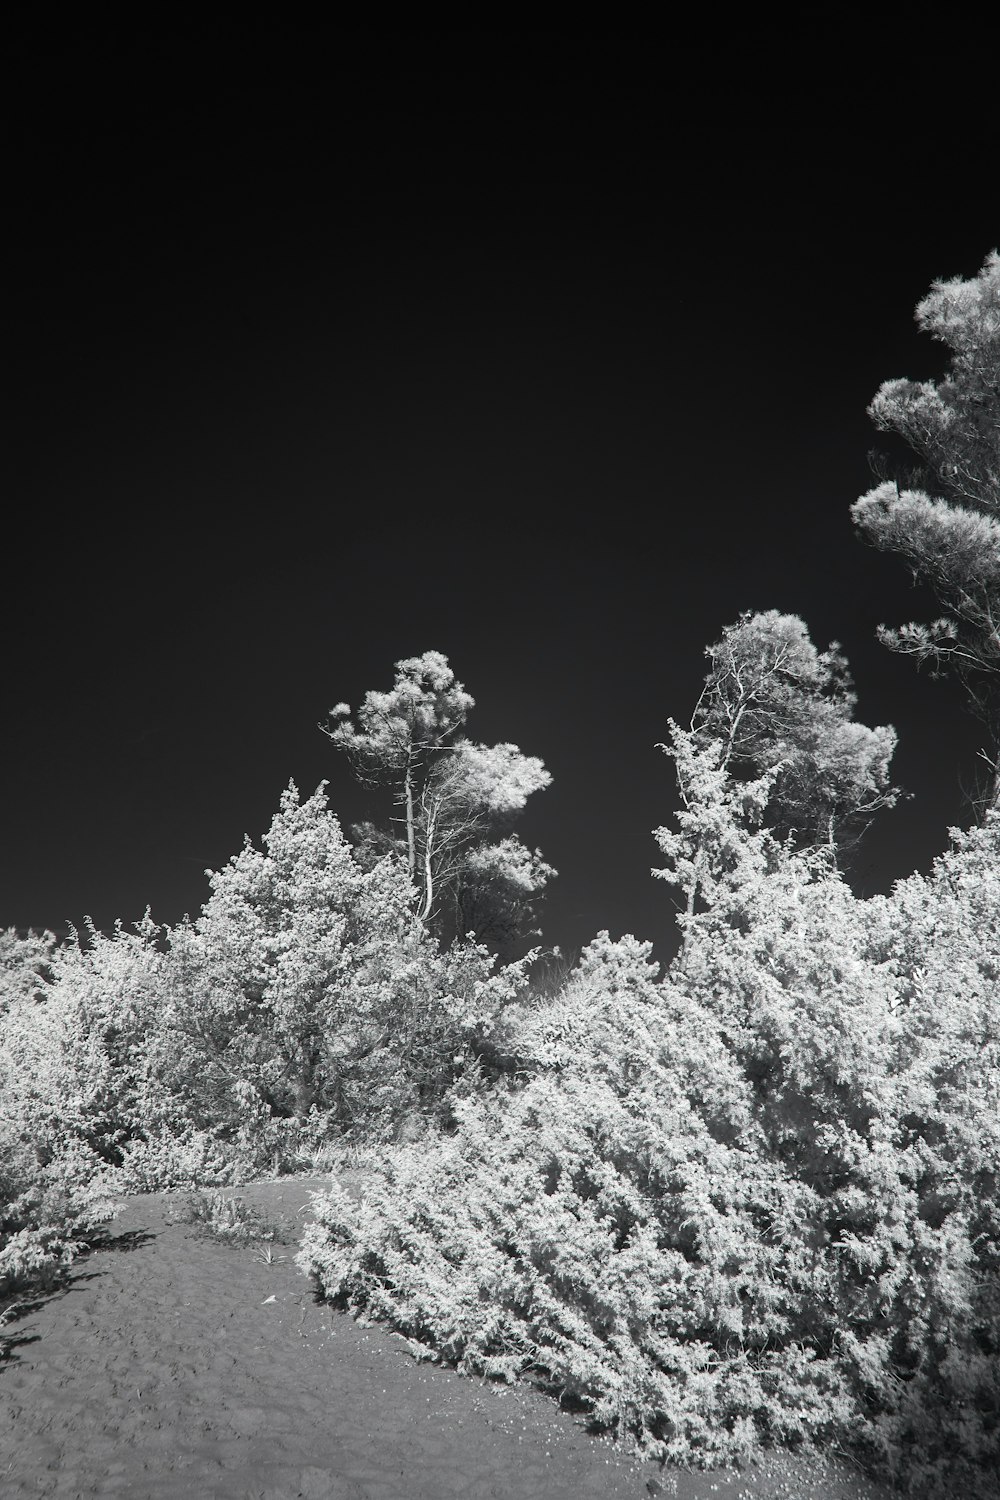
(230, 1219)
(266, 1255)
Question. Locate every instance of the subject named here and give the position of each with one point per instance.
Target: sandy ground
(173, 1365)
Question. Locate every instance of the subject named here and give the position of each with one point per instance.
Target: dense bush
(85, 1074)
(48, 1212)
(309, 1002)
(939, 938)
(25, 964)
(753, 1203)
(306, 1004)
(51, 1194)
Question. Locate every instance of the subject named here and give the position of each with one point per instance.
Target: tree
(950, 538)
(498, 890)
(400, 732)
(309, 1000)
(720, 841)
(776, 706)
(471, 882)
(294, 982)
(454, 801)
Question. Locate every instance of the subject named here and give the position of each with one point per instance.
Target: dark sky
(296, 396)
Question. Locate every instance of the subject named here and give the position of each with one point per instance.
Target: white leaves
(25, 964)
(775, 705)
(423, 711)
(719, 843)
(955, 548)
(965, 315)
(295, 969)
(957, 551)
(954, 424)
(951, 541)
(451, 797)
(509, 863)
(496, 779)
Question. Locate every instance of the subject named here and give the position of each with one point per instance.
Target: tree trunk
(304, 1088)
(304, 1097)
(411, 850)
(427, 899)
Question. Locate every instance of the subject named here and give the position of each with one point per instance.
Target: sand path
(173, 1366)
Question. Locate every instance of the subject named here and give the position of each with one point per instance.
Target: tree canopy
(454, 800)
(776, 706)
(945, 523)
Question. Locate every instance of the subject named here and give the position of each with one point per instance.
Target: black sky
(296, 395)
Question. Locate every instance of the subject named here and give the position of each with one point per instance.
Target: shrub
(754, 1203)
(305, 1005)
(81, 1072)
(309, 993)
(599, 1231)
(48, 1212)
(226, 1217)
(25, 964)
(61, 1110)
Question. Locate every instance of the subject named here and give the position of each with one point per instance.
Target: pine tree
(947, 525)
(454, 802)
(776, 706)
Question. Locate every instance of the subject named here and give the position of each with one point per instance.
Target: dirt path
(175, 1366)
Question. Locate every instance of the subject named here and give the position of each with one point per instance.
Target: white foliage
(753, 1202)
(946, 524)
(451, 797)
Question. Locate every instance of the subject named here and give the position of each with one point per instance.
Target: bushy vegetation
(225, 1216)
(51, 1193)
(306, 1006)
(754, 1201)
(750, 1202)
